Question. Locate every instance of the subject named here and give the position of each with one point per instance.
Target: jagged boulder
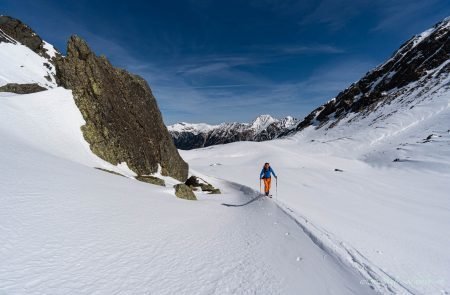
(183, 191)
(22, 88)
(123, 122)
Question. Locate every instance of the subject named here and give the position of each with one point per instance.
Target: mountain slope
(189, 136)
(66, 228)
(366, 175)
(123, 121)
(419, 65)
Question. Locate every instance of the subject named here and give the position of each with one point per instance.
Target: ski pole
(276, 188)
(260, 191)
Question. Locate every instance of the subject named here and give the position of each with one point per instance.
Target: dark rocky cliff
(123, 122)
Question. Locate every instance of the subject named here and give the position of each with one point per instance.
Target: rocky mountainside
(13, 30)
(413, 72)
(190, 136)
(123, 122)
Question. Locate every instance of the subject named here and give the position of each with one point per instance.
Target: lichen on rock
(22, 88)
(183, 191)
(123, 121)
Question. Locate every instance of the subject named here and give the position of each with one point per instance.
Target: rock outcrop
(123, 122)
(22, 88)
(151, 179)
(19, 31)
(183, 191)
(195, 182)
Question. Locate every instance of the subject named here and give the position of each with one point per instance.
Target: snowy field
(387, 213)
(379, 224)
(66, 228)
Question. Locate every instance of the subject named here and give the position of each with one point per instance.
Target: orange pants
(267, 182)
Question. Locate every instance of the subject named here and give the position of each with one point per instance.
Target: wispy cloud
(335, 14)
(183, 94)
(404, 13)
(220, 103)
(298, 49)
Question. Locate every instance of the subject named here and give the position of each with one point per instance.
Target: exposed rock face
(421, 60)
(123, 122)
(22, 88)
(190, 136)
(22, 33)
(182, 191)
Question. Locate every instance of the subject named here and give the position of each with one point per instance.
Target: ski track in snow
(92, 232)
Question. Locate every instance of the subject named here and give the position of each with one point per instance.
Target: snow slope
(21, 65)
(368, 175)
(67, 228)
(387, 213)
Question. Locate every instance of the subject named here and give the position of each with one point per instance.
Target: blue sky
(214, 61)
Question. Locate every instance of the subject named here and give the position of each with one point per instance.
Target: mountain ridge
(196, 135)
(416, 60)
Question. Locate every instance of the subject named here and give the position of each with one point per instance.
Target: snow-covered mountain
(414, 73)
(190, 135)
(367, 174)
(67, 228)
(361, 196)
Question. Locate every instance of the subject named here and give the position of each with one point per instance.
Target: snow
(419, 38)
(262, 122)
(374, 225)
(69, 228)
(258, 125)
(51, 51)
(50, 121)
(21, 65)
(289, 122)
(195, 128)
(386, 218)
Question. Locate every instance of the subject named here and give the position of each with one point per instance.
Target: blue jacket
(267, 173)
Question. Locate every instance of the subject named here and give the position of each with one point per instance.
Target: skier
(265, 174)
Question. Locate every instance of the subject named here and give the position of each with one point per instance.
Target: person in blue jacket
(266, 176)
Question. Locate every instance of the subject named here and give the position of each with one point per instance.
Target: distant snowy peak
(195, 135)
(288, 122)
(420, 65)
(195, 128)
(262, 122)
